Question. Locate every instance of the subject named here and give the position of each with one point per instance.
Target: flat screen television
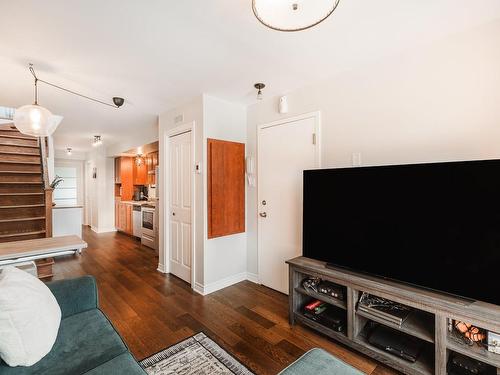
(433, 225)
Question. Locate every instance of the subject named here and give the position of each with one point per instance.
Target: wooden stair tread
(20, 172)
(23, 219)
(18, 145)
(19, 162)
(19, 234)
(20, 183)
(19, 153)
(24, 206)
(18, 136)
(9, 194)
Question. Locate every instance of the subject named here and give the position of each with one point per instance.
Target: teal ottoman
(318, 362)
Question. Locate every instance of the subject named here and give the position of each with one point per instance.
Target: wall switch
(197, 168)
(356, 159)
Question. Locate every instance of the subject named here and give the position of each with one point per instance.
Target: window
(67, 191)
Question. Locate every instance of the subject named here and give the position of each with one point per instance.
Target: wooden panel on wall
(226, 188)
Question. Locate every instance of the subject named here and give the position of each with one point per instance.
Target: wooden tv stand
(428, 322)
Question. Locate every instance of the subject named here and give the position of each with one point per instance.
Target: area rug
(197, 355)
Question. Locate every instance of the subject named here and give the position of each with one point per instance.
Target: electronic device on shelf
(462, 365)
(494, 342)
(385, 309)
(331, 290)
(396, 343)
(325, 314)
(311, 284)
(399, 222)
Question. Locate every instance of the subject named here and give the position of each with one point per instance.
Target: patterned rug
(196, 355)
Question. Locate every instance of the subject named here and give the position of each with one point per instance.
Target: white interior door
(285, 150)
(180, 205)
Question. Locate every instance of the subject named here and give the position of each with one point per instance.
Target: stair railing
(46, 185)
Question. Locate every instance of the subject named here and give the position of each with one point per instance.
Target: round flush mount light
(97, 141)
(293, 15)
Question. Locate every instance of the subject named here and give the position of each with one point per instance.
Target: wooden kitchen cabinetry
(124, 175)
(226, 188)
(151, 164)
(123, 217)
(140, 173)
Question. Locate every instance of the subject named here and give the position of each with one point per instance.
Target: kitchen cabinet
(123, 217)
(151, 164)
(118, 177)
(226, 188)
(124, 173)
(140, 173)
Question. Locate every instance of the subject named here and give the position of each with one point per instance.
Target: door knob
(263, 214)
(173, 213)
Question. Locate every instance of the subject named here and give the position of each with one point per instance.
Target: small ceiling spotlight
(68, 151)
(97, 141)
(259, 87)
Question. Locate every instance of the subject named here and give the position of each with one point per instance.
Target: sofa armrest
(75, 295)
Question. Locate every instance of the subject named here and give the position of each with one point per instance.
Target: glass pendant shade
(35, 120)
(293, 15)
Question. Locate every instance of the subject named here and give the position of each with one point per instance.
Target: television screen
(434, 225)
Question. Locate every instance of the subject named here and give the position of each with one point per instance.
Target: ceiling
(160, 53)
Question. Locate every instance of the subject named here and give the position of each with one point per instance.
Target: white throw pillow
(29, 318)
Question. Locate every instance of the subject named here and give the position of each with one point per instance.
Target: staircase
(25, 196)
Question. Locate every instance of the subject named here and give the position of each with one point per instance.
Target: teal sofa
(87, 342)
(318, 362)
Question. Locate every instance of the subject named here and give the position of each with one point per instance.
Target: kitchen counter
(140, 203)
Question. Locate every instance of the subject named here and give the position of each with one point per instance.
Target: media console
(429, 321)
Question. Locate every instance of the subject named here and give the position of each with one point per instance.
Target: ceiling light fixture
(40, 122)
(259, 87)
(33, 119)
(68, 151)
(139, 160)
(293, 15)
(97, 141)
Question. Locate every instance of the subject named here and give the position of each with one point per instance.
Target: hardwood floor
(153, 311)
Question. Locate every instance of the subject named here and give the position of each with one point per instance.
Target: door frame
(181, 129)
(316, 115)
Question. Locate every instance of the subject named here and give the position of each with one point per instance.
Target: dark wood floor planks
(153, 311)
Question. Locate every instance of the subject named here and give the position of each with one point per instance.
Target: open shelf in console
(419, 324)
(473, 351)
(424, 364)
(322, 297)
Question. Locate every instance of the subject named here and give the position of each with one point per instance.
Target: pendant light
(38, 121)
(35, 120)
(293, 15)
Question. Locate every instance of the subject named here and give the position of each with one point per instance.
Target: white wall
(217, 261)
(143, 136)
(440, 103)
(225, 257)
(101, 191)
(192, 112)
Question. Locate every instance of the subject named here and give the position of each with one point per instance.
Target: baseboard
(253, 277)
(219, 284)
(161, 268)
(224, 283)
(198, 288)
(102, 230)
